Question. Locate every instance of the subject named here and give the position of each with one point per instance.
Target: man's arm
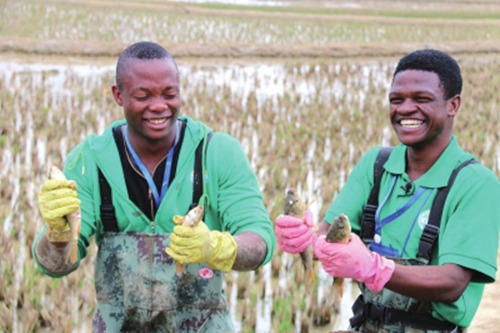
(52, 256)
(445, 283)
(252, 251)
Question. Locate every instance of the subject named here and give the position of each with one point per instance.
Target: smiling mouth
(411, 123)
(157, 121)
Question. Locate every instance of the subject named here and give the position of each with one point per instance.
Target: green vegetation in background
(213, 23)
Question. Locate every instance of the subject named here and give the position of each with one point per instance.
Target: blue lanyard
(414, 222)
(145, 172)
(379, 224)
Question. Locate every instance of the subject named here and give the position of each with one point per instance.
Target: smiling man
(130, 183)
(423, 257)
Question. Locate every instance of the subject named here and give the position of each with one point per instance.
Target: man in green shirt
(400, 290)
(142, 170)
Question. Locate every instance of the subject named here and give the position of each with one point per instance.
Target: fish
(339, 232)
(74, 219)
(294, 205)
(191, 219)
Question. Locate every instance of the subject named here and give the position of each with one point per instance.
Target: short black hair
(441, 63)
(141, 50)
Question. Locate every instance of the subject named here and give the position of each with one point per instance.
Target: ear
(453, 104)
(117, 95)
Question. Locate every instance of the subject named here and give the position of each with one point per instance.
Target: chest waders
(386, 311)
(137, 288)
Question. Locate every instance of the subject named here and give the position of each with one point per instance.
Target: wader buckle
(378, 312)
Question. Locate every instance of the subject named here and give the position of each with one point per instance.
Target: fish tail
(337, 293)
(73, 254)
(307, 261)
(310, 278)
(179, 268)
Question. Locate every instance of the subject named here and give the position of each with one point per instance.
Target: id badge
(386, 251)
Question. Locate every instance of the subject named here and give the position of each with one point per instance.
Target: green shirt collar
(438, 174)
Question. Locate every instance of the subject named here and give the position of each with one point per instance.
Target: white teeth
(411, 122)
(157, 121)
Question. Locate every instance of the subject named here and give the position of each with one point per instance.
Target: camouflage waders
(138, 289)
(389, 312)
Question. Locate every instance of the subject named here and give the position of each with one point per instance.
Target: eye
(423, 99)
(395, 100)
(170, 96)
(140, 96)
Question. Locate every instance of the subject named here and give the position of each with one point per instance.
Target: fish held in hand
(339, 232)
(294, 205)
(192, 218)
(74, 219)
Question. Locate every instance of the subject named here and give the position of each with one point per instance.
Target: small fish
(74, 219)
(192, 218)
(295, 206)
(339, 232)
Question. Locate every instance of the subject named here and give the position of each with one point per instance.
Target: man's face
(419, 113)
(150, 96)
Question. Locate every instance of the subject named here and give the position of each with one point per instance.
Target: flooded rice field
(302, 123)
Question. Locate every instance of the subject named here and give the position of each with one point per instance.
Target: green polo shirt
(469, 226)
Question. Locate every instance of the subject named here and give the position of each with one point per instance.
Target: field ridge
(217, 50)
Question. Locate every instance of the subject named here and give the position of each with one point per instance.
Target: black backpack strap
(198, 172)
(108, 217)
(431, 230)
(368, 224)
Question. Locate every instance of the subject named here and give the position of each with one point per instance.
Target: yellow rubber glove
(56, 199)
(198, 244)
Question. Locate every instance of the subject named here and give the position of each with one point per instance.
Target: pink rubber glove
(293, 234)
(354, 260)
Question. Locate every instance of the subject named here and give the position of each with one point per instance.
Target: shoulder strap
(108, 217)
(368, 224)
(199, 166)
(431, 230)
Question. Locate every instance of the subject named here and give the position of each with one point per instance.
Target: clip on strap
(368, 229)
(427, 241)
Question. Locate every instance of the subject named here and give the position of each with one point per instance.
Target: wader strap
(431, 230)
(368, 224)
(386, 315)
(357, 320)
(108, 217)
(389, 316)
(198, 171)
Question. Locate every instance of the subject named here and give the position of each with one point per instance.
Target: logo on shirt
(423, 218)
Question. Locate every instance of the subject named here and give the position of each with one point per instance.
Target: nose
(158, 104)
(406, 105)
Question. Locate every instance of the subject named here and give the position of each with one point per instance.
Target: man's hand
(294, 235)
(56, 199)
(198, 244)
(354, 260)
